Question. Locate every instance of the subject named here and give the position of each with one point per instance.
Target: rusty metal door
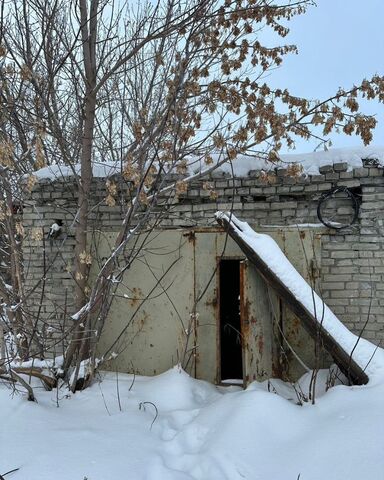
(178, 279)
(268, 329)
(208, 250)
(303, 249)
(151, 311)
(258, 308)
(273, 338)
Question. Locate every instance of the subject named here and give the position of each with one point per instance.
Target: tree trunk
(81, 267)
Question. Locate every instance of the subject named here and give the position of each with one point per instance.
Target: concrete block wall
(352, 259)
(49, 283)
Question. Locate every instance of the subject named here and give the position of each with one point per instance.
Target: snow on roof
(311, 162)
(56, 172)
(354, 157)
(243, 164)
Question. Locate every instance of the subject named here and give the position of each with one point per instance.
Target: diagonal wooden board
(342, 358)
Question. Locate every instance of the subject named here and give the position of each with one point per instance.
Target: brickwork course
(352, 259)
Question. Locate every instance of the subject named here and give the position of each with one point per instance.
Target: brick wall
(352, 263)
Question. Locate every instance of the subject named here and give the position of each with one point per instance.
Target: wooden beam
(342, 358)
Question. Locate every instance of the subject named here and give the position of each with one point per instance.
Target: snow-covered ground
(189, 429)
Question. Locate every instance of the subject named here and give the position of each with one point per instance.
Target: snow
(55, 227)
(100, 169)
(367, 355)
(173, 427)
(243, 164)
(295, 225)
(36, 363)
(310, 162)
(76, 316)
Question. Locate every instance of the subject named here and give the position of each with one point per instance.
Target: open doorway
(231, 357)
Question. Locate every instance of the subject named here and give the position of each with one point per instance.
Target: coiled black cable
(330, 194)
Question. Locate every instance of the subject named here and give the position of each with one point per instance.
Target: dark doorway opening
(231, 357)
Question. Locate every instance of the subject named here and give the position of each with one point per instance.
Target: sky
(340, 42)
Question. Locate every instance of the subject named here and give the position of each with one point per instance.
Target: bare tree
(154, 88)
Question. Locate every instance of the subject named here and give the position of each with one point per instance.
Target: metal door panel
(257, 306)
